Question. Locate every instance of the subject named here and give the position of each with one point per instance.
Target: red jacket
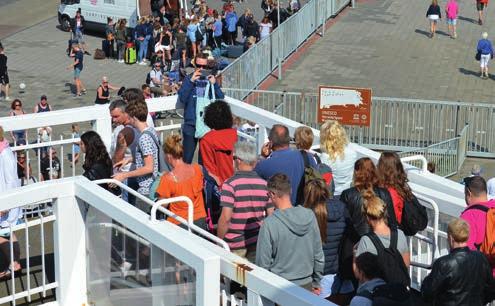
(217, 152)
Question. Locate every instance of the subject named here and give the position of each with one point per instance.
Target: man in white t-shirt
(156, 80)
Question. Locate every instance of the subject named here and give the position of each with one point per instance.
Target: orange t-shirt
(191, 188)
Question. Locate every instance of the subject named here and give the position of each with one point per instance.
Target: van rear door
(144, 7)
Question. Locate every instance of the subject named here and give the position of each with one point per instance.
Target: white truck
(95, 12)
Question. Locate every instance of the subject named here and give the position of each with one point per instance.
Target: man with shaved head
(280, 158)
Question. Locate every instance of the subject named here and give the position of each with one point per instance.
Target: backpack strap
(380, 248)
(156, 143)
(318, 159)
(305, 158)
(478, 207)
(366, 294)
(393, 238)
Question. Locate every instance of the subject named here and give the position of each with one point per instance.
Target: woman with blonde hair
(142, 36)
(183, 180)
(332, 218)
(384, 239)
(337, 153)
(192, 29)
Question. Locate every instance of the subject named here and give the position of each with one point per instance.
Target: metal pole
(324, 19)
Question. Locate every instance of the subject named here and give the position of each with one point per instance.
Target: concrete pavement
(385, 45)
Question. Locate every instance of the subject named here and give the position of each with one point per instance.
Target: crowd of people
(351, 226)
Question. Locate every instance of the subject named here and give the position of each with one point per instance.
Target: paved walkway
(384, 44)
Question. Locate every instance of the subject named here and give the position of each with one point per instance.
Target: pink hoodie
(477, 223)
(452, 9)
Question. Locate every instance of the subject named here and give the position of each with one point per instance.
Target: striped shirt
(246, 194)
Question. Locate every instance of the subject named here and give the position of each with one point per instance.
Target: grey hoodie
(289, 245)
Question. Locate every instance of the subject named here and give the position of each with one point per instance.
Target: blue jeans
(189, 143)
(143, 48)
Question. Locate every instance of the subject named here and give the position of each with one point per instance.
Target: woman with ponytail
(365, 186)
(332, 218)
(183, 180)
(375, 212)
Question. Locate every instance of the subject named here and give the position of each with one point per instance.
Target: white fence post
(103, 126)
(70, 251)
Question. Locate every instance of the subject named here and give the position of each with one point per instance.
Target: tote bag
(201, 104)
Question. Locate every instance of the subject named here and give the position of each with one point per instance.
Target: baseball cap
(43, 97)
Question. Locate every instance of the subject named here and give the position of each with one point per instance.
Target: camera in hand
(205, 73)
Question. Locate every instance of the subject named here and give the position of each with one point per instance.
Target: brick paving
(383, 44)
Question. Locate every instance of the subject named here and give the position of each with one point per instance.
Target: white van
(95, 12)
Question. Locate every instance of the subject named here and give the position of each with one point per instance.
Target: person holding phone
(193, 86)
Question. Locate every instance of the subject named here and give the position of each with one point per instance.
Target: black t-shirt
(3, 64)
(79, 56)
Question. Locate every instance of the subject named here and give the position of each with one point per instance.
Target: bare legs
(14, 264)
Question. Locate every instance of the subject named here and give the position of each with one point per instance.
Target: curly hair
(218, 115)
(96, 152)
(392, 175)
(333, 139)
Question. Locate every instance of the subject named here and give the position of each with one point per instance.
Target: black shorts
(480, 6)
(4, 79)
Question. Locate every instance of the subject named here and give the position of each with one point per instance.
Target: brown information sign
(349, 106)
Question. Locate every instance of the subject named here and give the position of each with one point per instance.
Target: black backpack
(392, 265)
(414, 217)
(393, 295)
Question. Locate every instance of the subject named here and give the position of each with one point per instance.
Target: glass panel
(126, 270)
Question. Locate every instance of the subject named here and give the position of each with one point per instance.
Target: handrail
(424, 162)
(190, 206)
(190, 226)
(434, 241)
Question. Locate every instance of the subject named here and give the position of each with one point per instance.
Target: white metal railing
(158, 206)
(25, 228)
(74, 199)
(447, 195)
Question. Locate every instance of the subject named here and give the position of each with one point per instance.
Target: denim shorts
(77, 73)
(451, 21)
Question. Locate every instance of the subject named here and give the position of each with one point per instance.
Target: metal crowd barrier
(258, 62)
(396, 123)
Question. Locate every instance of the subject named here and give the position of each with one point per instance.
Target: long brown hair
(392, 175)
(316, 195)
(365, 177)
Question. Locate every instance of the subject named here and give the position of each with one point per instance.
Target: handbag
(201, 104)
(478, 56)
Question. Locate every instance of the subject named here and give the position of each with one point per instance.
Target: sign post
(347, 105)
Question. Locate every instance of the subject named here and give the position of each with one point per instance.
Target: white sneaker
(142, 63)
(7, 98)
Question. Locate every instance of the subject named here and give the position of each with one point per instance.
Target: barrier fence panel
(396, 123)
(252, 67)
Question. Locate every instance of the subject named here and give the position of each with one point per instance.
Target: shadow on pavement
(469, 72)
(467, 19)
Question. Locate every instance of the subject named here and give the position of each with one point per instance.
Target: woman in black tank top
(103, 91)
(102, 95)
